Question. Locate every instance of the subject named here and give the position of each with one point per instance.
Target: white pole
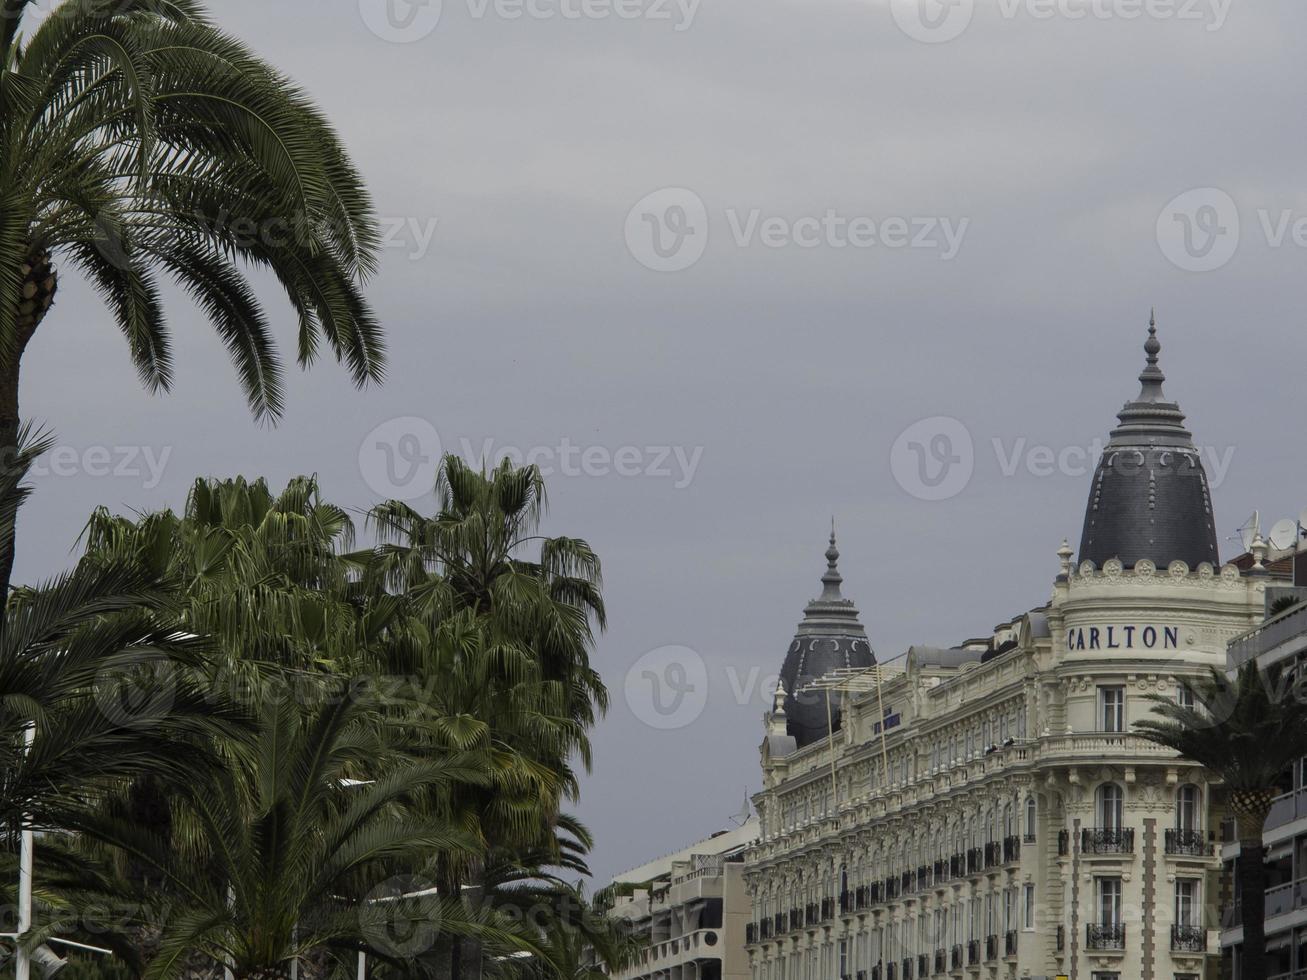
(26, 858)
(363, 966)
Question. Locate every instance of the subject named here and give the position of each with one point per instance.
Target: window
(1032, 814)
(1111, 704)
(844, 957)
(1107, 976)
(1184, 696)
(1028, 915)
(1186, 901)
(1110, 806)
(1186, 808)
(1109, 901)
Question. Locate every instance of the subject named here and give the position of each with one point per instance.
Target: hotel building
(984, 811)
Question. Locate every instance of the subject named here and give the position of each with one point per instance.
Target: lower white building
(690, 910)
(984, 810)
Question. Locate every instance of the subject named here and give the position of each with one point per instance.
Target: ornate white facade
(1008, 825)
(984, 811)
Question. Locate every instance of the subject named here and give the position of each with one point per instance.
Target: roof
(1149, 498)
(830, 638)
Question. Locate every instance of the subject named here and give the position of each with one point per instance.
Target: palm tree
(532, 618)
(295, 857)
(260, 573)
(138, 141)
(472, 555)
(486, 698)
(92, 668)
(1248, 731)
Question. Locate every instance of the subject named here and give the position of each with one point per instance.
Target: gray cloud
(527, 321)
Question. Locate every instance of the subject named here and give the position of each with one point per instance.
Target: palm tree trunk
(1251, 875)
(9, 426)
(36, 293)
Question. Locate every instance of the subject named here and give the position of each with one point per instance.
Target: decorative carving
(1178, 570)
(1144, 568)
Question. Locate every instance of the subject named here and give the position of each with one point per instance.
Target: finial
(1064, 553)
(778, 701)
(832, 580)
(1152, 377)
(1259, 548)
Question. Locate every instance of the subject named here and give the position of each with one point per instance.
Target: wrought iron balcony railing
(1110, 935)
(1189, 842)
(1011, 849)
(1010, 943)
(991, 948)
(1107, 840)
(1189, 939)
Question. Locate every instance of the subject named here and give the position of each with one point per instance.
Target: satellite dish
(1249, 530)
(1284, 534)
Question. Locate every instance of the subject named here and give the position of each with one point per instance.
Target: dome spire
(1151, 378)
(832, 580)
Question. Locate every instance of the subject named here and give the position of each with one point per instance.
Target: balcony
(941, 871)
(1061, 938)
(827, 909)
(891, 888)
(1011, 849)
(941, 961)
(923, 877)
(993, 854)
(1110, 936)
(890, 971)
(810, 915)
(846, 903)
(991, 948)
(1190, 843)
(957, 866)
(875, 893)
(876, 972)
(906, 885)
(1188, 939)
(1268, 636)
(1063, 843)
(973, 952)
(907, 968)
(975, 861)
(751, 934)
(1107, 840)
(764, 929)
(1010, 943)
(955, 957)
(796, 920)
(779, 923)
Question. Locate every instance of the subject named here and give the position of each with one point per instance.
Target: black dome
(829, 638)
(1150, 497)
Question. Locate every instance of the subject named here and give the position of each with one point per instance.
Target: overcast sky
(866, 222)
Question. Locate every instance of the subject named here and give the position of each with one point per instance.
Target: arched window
(1032, 815)
(1110, 806)
(1188, 812)
(1009, 828)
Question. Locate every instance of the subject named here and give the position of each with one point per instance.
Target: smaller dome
(830, 637)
